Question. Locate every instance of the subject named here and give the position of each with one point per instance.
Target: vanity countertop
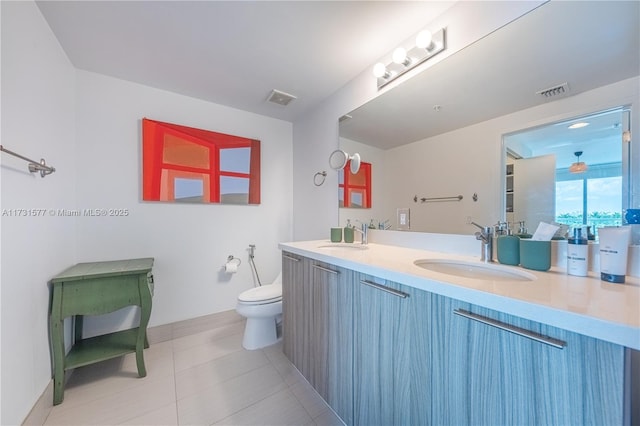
(585, 305)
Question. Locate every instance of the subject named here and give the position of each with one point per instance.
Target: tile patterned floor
(202, 377)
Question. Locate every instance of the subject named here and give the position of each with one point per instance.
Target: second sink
(474, 270)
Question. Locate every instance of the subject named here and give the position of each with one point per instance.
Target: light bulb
(424, 40)
(400, 56)
(380, 70)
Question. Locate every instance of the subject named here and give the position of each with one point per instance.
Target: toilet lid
(263, 293)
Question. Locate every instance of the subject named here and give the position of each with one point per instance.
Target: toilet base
(259, 333)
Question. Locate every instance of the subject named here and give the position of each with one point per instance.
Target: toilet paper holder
(231, 258)
(232, 264)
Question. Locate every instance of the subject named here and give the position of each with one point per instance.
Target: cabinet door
(331, 336)
(484, 375)
(294, 276)
(317, 328)
(381, 353)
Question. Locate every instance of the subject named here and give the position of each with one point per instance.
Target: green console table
(98, 288)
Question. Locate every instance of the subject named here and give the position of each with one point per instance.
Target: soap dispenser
(509, 248)
(522, 230)
(348, 232)
(578, 253)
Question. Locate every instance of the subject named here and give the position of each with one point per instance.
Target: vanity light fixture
(400, 57)
(578, 166)
(380, 70)
(427, 45)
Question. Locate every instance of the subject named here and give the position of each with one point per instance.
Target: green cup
(535, 255)
(336, 235)
(348, 235)
(508, 249)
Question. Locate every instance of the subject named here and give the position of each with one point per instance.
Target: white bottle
(578, 253)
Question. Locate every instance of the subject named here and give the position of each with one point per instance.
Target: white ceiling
(235, 52)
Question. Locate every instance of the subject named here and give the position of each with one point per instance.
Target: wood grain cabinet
(486, 375)
(382, 353)
(317, 327)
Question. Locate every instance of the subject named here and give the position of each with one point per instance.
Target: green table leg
(57, 341)
(145, 313)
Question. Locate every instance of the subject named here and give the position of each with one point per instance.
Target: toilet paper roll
(231, 267)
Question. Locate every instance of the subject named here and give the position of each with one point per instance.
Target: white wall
(190, 242)
(38, 116)
(88, 127)
(315, 136)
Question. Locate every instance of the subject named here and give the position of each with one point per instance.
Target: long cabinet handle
(512, 329)
(331, 271)
(290, 258)
(385, 288)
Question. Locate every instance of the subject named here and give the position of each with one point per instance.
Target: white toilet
(262, 306)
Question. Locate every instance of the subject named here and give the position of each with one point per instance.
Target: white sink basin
(355, 246)
(474, 270)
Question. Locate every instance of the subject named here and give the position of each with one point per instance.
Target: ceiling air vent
(560, 89)
(280, 98)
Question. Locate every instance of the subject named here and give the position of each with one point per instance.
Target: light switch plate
(404, 219)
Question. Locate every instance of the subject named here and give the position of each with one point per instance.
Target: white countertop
(584, 305)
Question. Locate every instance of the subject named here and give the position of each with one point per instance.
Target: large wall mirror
(440, 134)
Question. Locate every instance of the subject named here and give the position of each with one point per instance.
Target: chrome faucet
(486, 236)
(364, 232)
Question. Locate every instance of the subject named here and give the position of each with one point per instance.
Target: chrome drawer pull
(331, 271)
(290, 258)
(512, 329)
(385, 288)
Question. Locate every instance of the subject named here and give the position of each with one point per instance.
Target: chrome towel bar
(34, 166)
(426, 200)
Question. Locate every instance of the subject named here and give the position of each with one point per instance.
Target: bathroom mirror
(440, 133)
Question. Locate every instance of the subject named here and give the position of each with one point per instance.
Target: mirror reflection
(568, 172)
(440, 133)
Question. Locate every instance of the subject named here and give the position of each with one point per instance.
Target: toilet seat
(261, 295)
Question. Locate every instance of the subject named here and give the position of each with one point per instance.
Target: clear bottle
(578, 253)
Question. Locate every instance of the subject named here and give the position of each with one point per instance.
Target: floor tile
(202, 377)
(116, 375)
(309, 398)
(226, 398)
(118, 407)
(210, 350)
(164, 416)
(328, 418)
(207, 336)
(280, 409)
